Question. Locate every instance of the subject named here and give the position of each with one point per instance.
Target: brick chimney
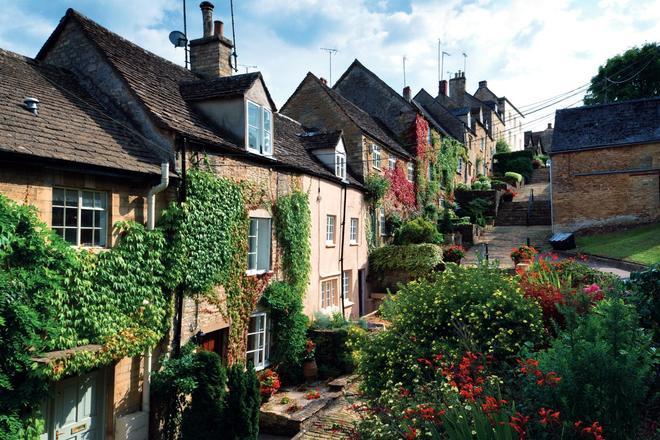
(549, 125)
(210, 56)
(407, 93)
(483, 84)
(442, 87)
(323, 81)
(457, 88)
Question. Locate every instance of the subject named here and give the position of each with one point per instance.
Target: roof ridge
(607, 104)
(16, 55)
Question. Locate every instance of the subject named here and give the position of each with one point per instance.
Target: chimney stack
(483, 84)
(442, 88)
(457, 88)
(207, 17)
(323, 81)
(210, 56)
(549, 125)
(218, 27)
(407, 93)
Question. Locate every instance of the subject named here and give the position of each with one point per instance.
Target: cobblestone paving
(501, 239)
(334, 422)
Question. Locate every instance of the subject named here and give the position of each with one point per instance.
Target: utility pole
(185, 33)
(404, 71)
(331, 52)
(439, 62)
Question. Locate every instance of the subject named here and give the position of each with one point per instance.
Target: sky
(527, 50)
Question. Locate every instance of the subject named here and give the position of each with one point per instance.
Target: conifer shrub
(243, 403)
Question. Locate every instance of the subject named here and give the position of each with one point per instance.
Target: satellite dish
(178, 39)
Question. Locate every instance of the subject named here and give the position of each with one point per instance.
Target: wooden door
(78, 408)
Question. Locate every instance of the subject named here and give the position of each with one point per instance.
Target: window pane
(97, 218)
(98, 240)
(99, 200)
(267, 149)
(253, 115)
(263, 252)
(58, 197)
(58, 216)
(71, 198)
(71, 217)
(86, 236)
(86, 218)
(253, 138)
(59, 231)
(87, 199)
(266, 120)
(70, 235)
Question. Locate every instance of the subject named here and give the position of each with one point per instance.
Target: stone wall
(606, 187)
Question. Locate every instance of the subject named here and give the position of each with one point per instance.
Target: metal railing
(530, 206)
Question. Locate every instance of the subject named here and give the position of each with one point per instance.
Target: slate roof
(153, 80)
(221, 87)
(71, 126)
(373, 95)
(450, 122)
(321, 141)
(291, 145)
(607, 125)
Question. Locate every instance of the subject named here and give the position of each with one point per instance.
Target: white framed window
(429, 137)
(259, 129)
(375, 153)
(346, 284)
(258, 341)
(381, 222)
(340, 165)
(329, 297)
(429, 172)
(353, 236)
(80, 217)
(391, 162)
(411, 172)
(483, 144)
(459, 167)
(259, 241)
(330, 229)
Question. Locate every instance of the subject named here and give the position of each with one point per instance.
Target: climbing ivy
(293, 224)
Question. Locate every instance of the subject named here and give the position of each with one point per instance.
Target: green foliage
(644, 293)
(293, 223)
(170, 387)
(633, 74)
(477, 309)
(243, 403)
(481, 185)
(476, 210)
(504, 162)
(333, 355)
(502, 146)
(604, 364)
(446, 224)
(205, 416)
(375, 187)
(207, 233)
(515, 176)
(417, 231)
(54, 297)
(414, 259)
(447, 161)
(463, 187)
(289, 328)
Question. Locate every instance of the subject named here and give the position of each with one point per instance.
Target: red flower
(548, 417)
(492, 404)
(518, 422)
(411, 434)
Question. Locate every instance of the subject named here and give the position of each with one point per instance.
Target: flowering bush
(310, 350)
(474, 307)
(523, 253)
(313, 395)
(269, 382)
(453, 253)
(401, 194)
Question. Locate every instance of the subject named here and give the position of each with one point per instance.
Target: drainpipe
(341, 254)
(151, 222)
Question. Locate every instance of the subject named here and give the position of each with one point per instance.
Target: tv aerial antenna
(180, 39)
(331, 52)
(247, 67)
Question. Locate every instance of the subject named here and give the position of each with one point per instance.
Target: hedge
(516, 161)
(411, 261)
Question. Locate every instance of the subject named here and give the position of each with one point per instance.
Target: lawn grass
(640, 245)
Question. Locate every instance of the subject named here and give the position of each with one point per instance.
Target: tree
(502, 147)
(632, 75)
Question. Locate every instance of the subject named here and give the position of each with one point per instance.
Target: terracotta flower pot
(310, 370)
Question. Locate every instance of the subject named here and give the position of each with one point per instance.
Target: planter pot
(453, 260)
(310, 370)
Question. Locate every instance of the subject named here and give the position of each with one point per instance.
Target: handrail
(530, 205)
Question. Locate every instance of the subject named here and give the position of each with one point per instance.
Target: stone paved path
(501, 239)
(335, 421)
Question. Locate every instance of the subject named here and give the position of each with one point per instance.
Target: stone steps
(540, 175)
(515, 214)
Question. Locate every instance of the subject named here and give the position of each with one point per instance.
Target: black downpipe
(341, 253)
(178, 328)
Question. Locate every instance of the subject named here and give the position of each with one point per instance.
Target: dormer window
(340, 165)
(260, 129)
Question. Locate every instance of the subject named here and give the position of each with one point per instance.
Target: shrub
(463, 187)
(269, 382)
(536, 164)
(242, 404)
(521, 165)
(332, 353)
(644, 293)
(502, 161)
(523, 253)
(415, 259)
(375, 187)
(417, 231)
(604, 364)
(515, 176)
(475, 308)
(205, 415)
(453, 253)
(502, 146)
(481, 185)
(289, 329)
